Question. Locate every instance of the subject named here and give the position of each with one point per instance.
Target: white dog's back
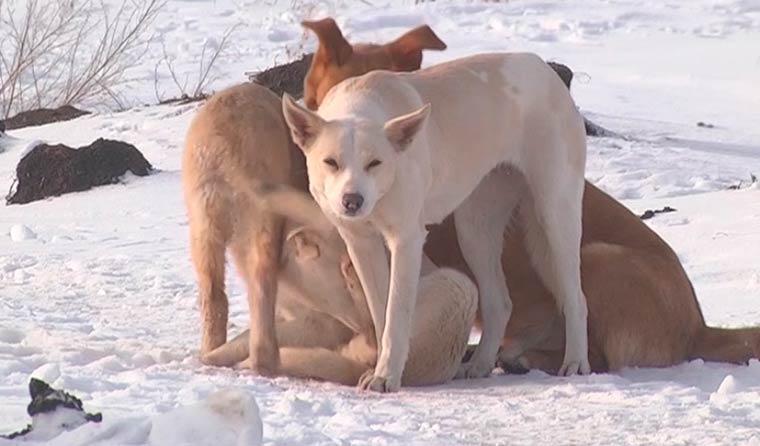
(497, 102)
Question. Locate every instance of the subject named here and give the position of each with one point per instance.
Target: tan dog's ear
(401, 131)
(305, 242)
(332, 45)
(304, 125)
(406, 51)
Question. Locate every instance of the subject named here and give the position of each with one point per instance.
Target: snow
(19, 233)
(97, 294)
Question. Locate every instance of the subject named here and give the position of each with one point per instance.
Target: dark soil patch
(566, 74)
(286, 78)
(52, 170)
(649, 213)
(42, 116)
(184, 99)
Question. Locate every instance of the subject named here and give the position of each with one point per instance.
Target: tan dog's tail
(734, 345)
(292, 204)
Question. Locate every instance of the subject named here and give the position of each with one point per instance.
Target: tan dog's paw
(380, 384)
(264, 360)
(475, 369)
(574, 368)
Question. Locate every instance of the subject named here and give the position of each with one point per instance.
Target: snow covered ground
(98, 297)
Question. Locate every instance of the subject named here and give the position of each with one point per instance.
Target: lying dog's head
(352, 163)
(314, 257)
(336, 59)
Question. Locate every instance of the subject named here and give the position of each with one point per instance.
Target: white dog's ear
(401, 131)
(306, 243)
(304, 124)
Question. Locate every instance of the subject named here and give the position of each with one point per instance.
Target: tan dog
(642, 311)
(317, 274)
(237, 140)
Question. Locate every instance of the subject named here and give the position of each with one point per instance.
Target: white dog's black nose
(352, 202)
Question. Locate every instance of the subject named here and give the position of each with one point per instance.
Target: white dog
(389, 153)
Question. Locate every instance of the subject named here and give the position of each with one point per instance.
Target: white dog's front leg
(406, 259)
(367, 253)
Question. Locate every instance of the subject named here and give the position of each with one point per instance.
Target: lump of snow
(11, 336)
(227, 418)
(20, 233)
(47, 372)
(728, 386)
(20, 276)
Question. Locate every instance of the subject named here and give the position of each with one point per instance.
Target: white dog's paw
(380, 384)
(570, 368)
(476, 368)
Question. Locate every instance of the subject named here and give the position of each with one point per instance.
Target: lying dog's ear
(401, 131)
(406, 51)
(304, 125)
(306, 243)
(333, 47)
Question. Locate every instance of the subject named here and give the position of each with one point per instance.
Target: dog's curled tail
(734, 345)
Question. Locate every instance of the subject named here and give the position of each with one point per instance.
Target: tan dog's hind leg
(207, 246)
(257, 253)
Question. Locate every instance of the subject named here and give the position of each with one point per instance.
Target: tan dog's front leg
(367, 253)
(406, 260)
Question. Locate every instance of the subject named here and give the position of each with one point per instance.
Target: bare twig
(46, 59)
(208, 59)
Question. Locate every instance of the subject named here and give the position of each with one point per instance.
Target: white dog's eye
(332, 163)
(371, 164)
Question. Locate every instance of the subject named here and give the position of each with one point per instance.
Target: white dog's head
(352, 163)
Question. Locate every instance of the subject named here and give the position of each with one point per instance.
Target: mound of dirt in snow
(52, 170)
(41, 116)
(286, 78)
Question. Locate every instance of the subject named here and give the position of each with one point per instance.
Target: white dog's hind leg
(552, 222)
(480, 221)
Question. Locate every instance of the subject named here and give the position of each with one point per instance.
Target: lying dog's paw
(571, 368)
(475, 369)
(369, 381)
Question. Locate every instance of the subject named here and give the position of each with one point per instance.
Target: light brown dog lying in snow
(334, 339)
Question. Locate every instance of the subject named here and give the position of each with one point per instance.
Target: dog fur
(503, 131)
(315, 265)
(236, 140)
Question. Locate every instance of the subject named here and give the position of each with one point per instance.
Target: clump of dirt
(286, 78)
(41, 116)
(52, 170)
